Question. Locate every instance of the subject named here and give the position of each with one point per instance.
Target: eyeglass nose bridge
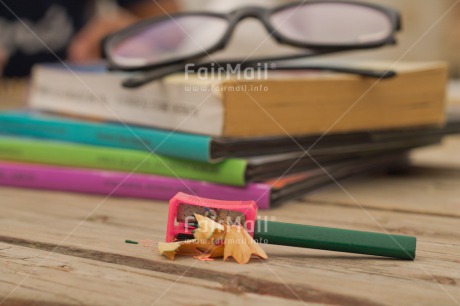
(257, 12)
(248, 12)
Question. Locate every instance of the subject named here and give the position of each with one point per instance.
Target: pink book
(124, 184)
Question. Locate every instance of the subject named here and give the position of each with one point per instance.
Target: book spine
(189, 146)
(230, 171)
(170, 104)
(123, 184)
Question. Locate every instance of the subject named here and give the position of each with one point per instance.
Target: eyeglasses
(165, 45)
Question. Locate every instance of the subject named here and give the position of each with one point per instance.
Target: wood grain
(42, 220)
(50, 278)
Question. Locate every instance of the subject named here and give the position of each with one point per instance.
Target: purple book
(123, 184)
(269, 193)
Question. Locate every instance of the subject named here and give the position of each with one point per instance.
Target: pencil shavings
(208, 230)
(187, 247)
(240, 245)
(213, 240)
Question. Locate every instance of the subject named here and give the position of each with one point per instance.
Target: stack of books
(265, 140)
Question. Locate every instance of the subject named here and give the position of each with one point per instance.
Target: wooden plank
(49, 278)
(430, 187)
(43, 220)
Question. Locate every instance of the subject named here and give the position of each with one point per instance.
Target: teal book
(162, 142)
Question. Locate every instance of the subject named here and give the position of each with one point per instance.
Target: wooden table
(61, 248)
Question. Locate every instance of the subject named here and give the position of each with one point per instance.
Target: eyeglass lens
(169, 39)
(332, 23)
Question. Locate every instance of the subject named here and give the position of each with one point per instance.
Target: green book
(230, 171)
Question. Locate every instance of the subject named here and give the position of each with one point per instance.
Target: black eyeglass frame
(263, 15)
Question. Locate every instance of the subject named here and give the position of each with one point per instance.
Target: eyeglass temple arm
(157, 74)
(378, 74)
(162, 72)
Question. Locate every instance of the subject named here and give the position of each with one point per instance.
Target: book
(229, 171)
(122, 183)
(295, 103)
(267, 194)
(162, 142)
(192, 146)
(232, 171)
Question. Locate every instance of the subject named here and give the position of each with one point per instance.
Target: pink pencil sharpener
(182, 207)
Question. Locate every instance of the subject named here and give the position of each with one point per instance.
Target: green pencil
(334, 239)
